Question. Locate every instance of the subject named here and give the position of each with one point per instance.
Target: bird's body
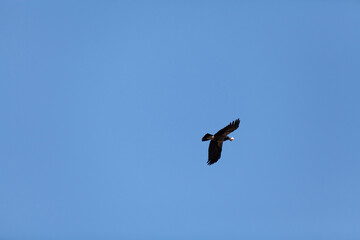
(216, 141)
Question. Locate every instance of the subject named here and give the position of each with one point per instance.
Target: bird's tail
(207, 137)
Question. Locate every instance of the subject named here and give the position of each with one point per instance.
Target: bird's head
(231, 138)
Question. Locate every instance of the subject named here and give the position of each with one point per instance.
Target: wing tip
(236, 122)
(210, 163)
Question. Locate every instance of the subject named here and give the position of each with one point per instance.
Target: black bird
(217, 140)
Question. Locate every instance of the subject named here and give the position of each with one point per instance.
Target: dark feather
(228, 129)
(207, 137)
(214, 151)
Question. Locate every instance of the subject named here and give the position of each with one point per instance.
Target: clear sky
(104, 104)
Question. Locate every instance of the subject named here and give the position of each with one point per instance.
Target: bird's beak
(231, 139)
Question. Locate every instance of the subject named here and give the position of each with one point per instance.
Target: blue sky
(104, 104)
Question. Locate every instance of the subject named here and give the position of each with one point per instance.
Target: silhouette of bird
(217, 140)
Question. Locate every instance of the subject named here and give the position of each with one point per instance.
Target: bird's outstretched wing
(214, 151)
(229, 128)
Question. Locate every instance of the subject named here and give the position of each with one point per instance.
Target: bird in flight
(216, 141)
